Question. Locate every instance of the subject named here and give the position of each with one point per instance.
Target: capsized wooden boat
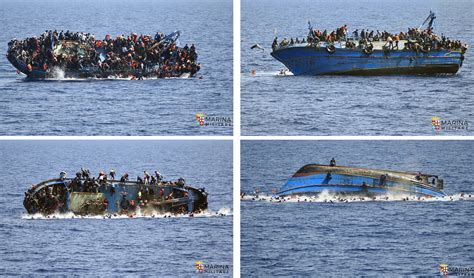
(91, 197)
(351, 57)
(76, 51)
(312, 179)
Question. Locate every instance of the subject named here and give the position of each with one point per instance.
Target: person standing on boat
(383, 179)
(365, 188)
(390, 42)
(355, 34)
(418, 177)
(112, 174)
(62, 175)
(332, 163)
(146, 177)
(396, 38)
(124, 178)
(159, 177)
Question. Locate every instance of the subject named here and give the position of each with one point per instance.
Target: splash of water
(138, 214)
(327, 197)
(281, 73)
(57, 73)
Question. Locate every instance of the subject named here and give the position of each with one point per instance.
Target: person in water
(332, 162)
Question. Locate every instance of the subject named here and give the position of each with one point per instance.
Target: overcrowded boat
(416, 51)
(313, 179)
(80, 55)
(105, 195)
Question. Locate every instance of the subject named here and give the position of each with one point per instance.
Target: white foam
(326, 197)
(70, 215)
(270, 73)
(57, 73)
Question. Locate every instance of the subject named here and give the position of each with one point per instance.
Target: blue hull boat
(417, 51)
(313, 179)
(305, 59)
(81, 197)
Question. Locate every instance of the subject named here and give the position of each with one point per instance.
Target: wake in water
(59, 75)
(280, 73)
(326, 197)
(70, 215)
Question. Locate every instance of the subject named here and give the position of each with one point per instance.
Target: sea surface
(119, 107)
(362, 238)
(345, 105)
(121, 246)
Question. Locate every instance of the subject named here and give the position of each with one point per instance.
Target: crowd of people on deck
(414, 39)
(54, 198)
(123, 56)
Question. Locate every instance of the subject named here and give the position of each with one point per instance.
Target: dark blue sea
(115, 247)
(119, 107)
(363, 238)
(345, 105)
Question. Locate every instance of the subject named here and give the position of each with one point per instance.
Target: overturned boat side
(71, 195)
(313, 179)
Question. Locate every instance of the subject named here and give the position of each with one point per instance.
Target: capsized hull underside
(315, 178)
(113, 197)
(317, 61)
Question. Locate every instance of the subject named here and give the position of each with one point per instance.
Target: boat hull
(308, 60)
(88, 72)
(108, 198)
(355, 181)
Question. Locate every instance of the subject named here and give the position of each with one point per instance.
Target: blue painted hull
(305, 60)
(185, 199)
(348, 185)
